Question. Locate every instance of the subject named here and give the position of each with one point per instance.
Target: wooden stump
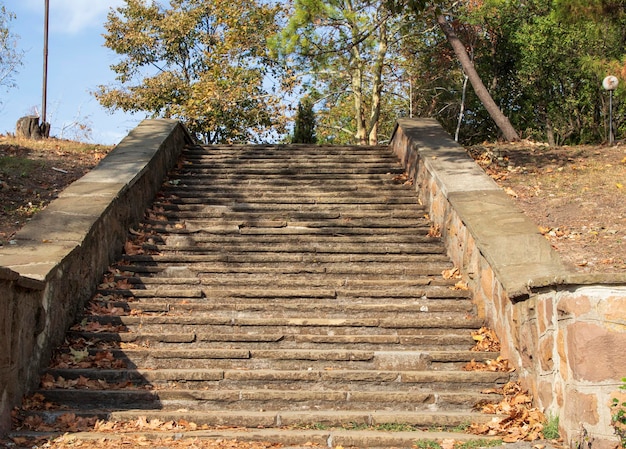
(30, 128)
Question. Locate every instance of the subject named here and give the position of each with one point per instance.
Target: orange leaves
(403, 179)
(98, 308)
(96, 327)
(521, 420)
(434, 231)
(461, 285)
(48, 381)
(69, 441)
(131, 249)
(497, 365)
(452, 273)
(82, 359)
(137, 244)
(67, 422)
(486, 340)
(36, 402)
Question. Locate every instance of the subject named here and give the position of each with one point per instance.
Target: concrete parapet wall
(564, 332)
(60, 256)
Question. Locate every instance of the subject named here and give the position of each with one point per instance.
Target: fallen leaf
(461, 285)
(451, 273)
(447, 443)
(486, 340)
(509, 191)
(434, 231)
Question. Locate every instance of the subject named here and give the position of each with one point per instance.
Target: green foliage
(23, 166)
(348, 54)
(10, 56)
(396, 427)
(479, 443)
(551, 428)
(427, 444)
(618, 407)
(304, 127)
(205, 63)
(543, 62)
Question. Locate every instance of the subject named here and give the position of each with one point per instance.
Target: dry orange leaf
(451, 273)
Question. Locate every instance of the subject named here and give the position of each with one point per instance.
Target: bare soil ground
(575, 195)
(32, 173)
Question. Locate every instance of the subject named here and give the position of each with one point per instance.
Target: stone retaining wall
(564, 332)
(60, 256)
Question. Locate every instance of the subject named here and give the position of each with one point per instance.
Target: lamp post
(45, 126)
(610, 83)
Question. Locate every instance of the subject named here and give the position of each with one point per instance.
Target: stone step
(288, 438)
(330, 171)
(243, 151)
(278, 220)
(191, 195)
(350, 380)
(322, 204)
(288, 212)
(244, 357)
(207, 200)
(278, 257)
(300, 420)
(390, 240)
(349, 296)
(296, 247)
(184, 301)
(268, 399)
(254, 341)
(295, 161)
(272, 185)
(292, 325)
(432, 266)
(289, 281)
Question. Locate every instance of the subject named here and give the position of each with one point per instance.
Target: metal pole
(45, 62)
(610, 117)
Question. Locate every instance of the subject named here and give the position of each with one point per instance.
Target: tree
(481, 91)
(422, 9)
(345, 48)
(304, 128)
(10, 56)
(204, 63)
(556, 56)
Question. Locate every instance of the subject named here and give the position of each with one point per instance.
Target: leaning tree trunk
(479, 88)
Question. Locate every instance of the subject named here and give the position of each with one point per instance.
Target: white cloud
(75, 16)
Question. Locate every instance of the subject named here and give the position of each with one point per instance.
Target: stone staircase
(284, 293)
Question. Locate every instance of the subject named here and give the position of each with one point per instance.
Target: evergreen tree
(304, 128)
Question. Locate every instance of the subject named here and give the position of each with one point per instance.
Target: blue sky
(77, 63)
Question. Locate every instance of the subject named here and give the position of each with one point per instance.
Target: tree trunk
(377, 86)
(550, 133)
(462, 109)
(482, 93)
(357, 92)
(29, 128)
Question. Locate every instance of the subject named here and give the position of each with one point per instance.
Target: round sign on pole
(610, 82)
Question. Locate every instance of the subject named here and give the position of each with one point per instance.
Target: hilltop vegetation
(32, 173)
